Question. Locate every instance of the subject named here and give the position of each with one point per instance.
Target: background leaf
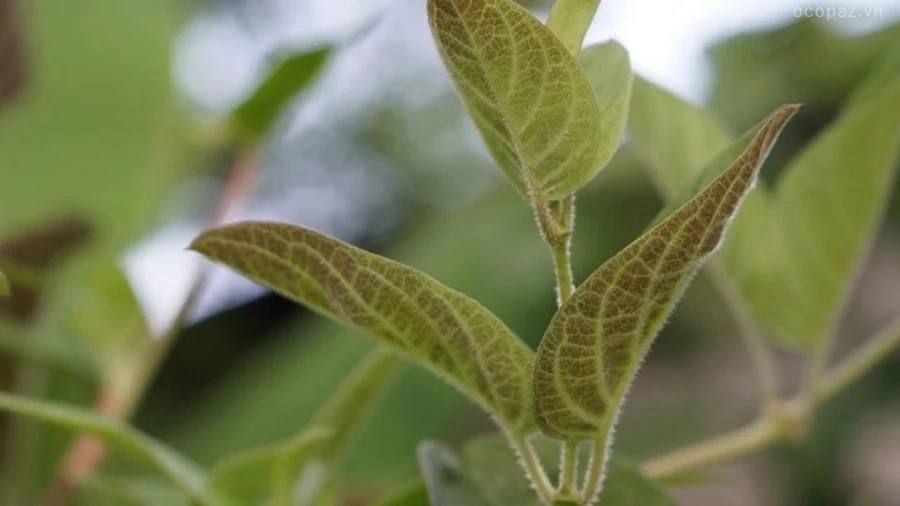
(412, 494)
(442, 329)
(527, 94)
(831, 199)
(177, 468)
(598, 337)
(248, 478)
(4, 285)
(256, 116)
(447, 481)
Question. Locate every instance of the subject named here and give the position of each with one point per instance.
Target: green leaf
(570, 21)
(831, 200)
(412, 494)
(675, 139)
(608, 69)
(181, 471)
(527, 94)
(259, 112)
(98, 490)
(440, 328)
(447, 481)
(250, 477)
(597, 339)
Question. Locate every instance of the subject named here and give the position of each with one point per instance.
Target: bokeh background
(112, 140)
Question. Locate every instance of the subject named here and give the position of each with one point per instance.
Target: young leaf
(447, 482)
(258, 113)
(440, 328)
(248, 478)
(527, 94)
(675, 139)
(608, 69)
(831, 200)
(597, 339)
(182, 472)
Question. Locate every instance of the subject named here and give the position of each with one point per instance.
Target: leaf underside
(442, 329)
(597, 339)
(527, 94)
(818, 223)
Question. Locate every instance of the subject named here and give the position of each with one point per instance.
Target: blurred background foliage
(115, 148)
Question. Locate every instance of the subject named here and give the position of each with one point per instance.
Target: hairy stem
(570, 20)
(876, 349)
(531, 463)
(595, 473)
(745, 441)
(569, 470)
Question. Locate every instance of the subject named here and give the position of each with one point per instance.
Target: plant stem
(531, 463)
(121, 395)
(595, 473)
(747, 440)
(569, 470)
(558, 234)
(876, 349)
(570, 20)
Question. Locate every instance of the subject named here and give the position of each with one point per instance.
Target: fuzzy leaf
(447, 481)
(259, 112)
(527, 94)
(141, 448)
(440, 328)
(597, 339)
(252, 476)
(831, 200)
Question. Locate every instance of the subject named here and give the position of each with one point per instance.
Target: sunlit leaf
(831, 200)
(447, 481)
(252, 476)
(182, 472)
(597, 339)
(608, 69)
(259, 112)
(528, 96)
(674, 138)
(442, 329)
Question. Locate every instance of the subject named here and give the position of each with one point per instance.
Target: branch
(863, 360)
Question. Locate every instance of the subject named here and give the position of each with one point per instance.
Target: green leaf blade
(528, 96)
(256, 116)
(596, 340)
(166, 461)
(443, 330)
(831, 200)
